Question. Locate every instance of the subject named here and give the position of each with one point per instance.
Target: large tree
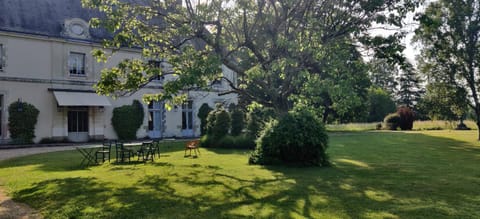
(273, 46)
(449, 33)
(382, 74)
(444, 101)
(409, 91)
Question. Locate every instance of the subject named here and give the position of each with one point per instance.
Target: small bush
(298, 138)
(21, 122)
(392, 121)
(203, 112)
(407, 116)
(238, 122)
(126, 120)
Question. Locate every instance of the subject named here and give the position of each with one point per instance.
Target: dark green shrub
(127, 119)
(407, 116)
(238, 122)
(392, 121)
(256, 120)
(212, 116)
(228, 141)
(21, 122)
(222, 124)
(244, 142)
(203, 112)
(218, 123)
(298, 138)
(206, 141)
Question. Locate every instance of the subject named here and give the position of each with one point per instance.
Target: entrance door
(78, 124)
(187, 119)
(155, 119)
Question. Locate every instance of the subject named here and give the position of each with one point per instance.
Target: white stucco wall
(37, 64)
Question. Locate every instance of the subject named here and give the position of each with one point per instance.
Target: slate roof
(45, 17)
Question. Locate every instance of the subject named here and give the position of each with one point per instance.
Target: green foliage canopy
(379, 104)
(273, 46)
(448, 33)
(444, 101)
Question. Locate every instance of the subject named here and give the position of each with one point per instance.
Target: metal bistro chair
(104, 152)
(146, 151)
(156, 147)
(122, 153)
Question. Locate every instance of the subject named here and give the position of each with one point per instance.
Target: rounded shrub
(392, 121)
(218, 123)
(21, 122)
(127, 119)
(298, 138)
(407, 116)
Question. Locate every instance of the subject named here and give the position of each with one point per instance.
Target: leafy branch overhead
(273, 46)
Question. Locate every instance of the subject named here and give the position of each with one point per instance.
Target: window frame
(157, 64)
(83, 72)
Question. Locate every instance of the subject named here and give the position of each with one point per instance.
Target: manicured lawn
(433, 174)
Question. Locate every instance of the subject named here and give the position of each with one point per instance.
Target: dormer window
(76, 28)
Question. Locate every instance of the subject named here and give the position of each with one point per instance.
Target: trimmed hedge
(127, 119)
(21, 122)
(298, 138)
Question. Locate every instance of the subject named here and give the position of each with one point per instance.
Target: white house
(45, 60)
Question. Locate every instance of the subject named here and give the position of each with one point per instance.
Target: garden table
(88, 153)
(146, 151)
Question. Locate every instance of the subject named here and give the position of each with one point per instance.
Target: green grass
(352, 127)
(433, 174)
(417, 125)
(441, 124)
